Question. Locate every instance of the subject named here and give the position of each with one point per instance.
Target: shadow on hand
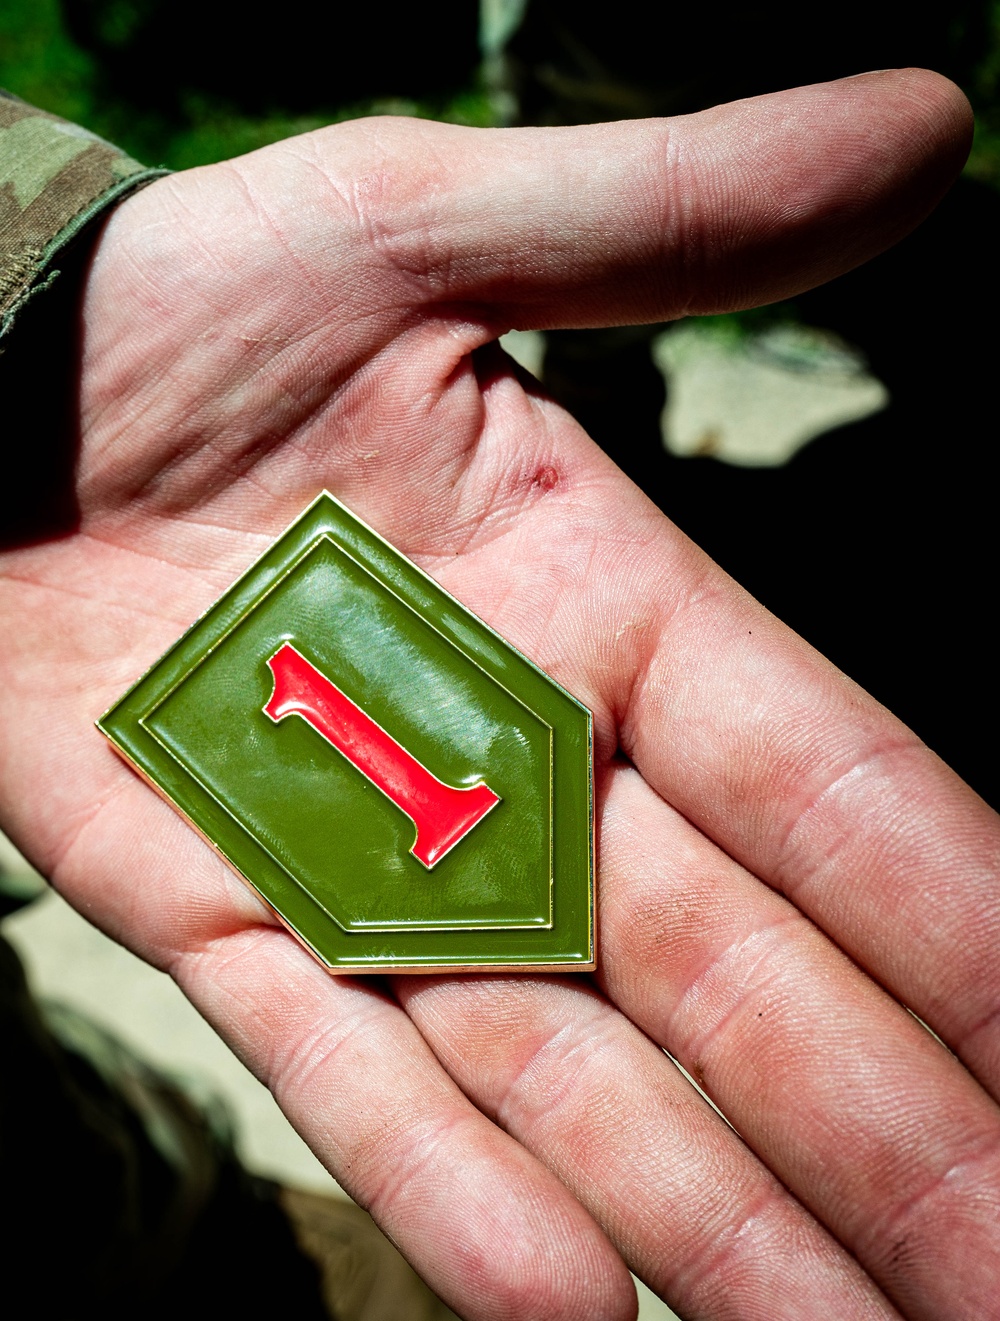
(39, 370)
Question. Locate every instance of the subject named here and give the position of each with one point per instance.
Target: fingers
(794, 771)
(860, 1113)
(857, 1109)
(489, 1228)
(647, 220)
(750, 734)
(820, 792)
(688, 1206)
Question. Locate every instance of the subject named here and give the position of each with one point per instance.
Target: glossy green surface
(318, 840)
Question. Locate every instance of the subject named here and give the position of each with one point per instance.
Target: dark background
(876, 542)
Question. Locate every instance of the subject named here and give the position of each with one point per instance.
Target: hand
(782, 864)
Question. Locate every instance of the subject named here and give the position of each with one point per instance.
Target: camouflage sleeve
(55, 178)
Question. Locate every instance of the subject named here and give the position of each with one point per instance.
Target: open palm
(774, 848)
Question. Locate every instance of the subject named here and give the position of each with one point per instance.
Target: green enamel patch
(308, 827)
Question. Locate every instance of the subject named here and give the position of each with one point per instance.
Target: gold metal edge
(593, 840)
(368, 969)
(440, 969)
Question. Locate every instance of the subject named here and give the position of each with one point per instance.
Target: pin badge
(404, 788)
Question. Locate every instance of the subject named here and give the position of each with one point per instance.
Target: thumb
(646, 220)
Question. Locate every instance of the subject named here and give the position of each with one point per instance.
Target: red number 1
(443, 815)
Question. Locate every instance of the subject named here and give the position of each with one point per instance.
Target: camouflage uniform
(55, 179)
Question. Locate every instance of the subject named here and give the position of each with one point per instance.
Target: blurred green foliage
(983, 89)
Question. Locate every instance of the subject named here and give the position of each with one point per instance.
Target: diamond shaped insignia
(403, 788)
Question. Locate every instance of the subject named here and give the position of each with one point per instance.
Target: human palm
(774, 848)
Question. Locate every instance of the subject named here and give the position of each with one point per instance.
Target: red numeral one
(443, 815)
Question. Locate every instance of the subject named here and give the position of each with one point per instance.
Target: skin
(782, 865)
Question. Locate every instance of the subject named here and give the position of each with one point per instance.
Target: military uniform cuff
(55, 178)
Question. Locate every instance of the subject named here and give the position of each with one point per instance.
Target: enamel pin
(404, 788)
